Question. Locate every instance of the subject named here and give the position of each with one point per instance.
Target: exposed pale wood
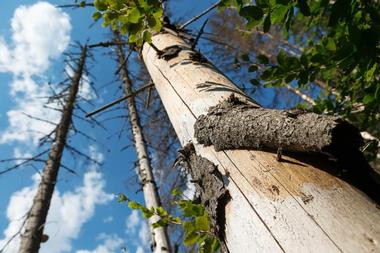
(274, 195)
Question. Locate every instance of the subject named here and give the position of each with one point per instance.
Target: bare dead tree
(160, 239)
(33, 234)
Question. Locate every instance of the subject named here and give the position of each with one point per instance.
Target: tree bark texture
(160, 239)
(31, 238)
(235, 125)
(287, 206)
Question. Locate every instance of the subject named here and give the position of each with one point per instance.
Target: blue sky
(84, 216)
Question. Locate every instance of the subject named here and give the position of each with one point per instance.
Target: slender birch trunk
(160, 239)
(31, 238)
(275, 206)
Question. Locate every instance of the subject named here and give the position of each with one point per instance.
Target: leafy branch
(194, 221)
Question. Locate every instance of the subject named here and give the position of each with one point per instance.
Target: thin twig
(125, 60)
(200, 15)
(199, 35)
(107, 44)
(119, 100)
(75, 5)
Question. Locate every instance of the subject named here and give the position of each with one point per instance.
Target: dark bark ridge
(210, 186)
(233, 124)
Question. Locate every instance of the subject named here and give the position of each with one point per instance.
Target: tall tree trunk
(160, 239)
(275, 206)
(31, 238)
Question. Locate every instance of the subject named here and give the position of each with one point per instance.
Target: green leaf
(267, 23)
(278, 13)
(193, 210)
(147, 36)
(134, 15)
(159, 223)
(304, 60)
(101, 5)
(251, 12)
(96, 16)
(134, 205)
(281, 57)
(255, 82)
(147, 213)
(82, 4)
(201, 223)
(283, 2)
(122, 198)
(369, 73)
(189, 226)
(210, 245)
(262, 59)
(330, 44)
(289, 17)
(161, 212)
(245, 57)
(191, 239)
(368, 99)
(267, 74)
(303, 77)
(175, 192)
(176, 220)
(304, 7)
(262, 3)
(253, 68)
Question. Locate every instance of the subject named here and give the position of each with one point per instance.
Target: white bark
(276, 206)
(160, 239)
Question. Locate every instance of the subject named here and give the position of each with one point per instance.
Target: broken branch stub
(210, 186)
(233, 124)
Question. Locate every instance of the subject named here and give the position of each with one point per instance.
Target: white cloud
(140, 249)
(108, 219)
(144, 234)
(40, 34)
(137, 227)
(85, 90)
(190, 188)
(111, 244)
(132, 221)
(69, 211)
(22, 128)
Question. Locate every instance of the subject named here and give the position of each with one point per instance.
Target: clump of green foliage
(193, 219)
(137, 18)
(341, 48)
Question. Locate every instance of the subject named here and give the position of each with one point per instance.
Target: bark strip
(210, 186)
(33, 234)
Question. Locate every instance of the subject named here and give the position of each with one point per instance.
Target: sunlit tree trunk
(276, 206)
(160, 239)
(33, 234)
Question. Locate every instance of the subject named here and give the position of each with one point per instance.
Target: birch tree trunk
(31, 238)
(288, 206)
(160, 239)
